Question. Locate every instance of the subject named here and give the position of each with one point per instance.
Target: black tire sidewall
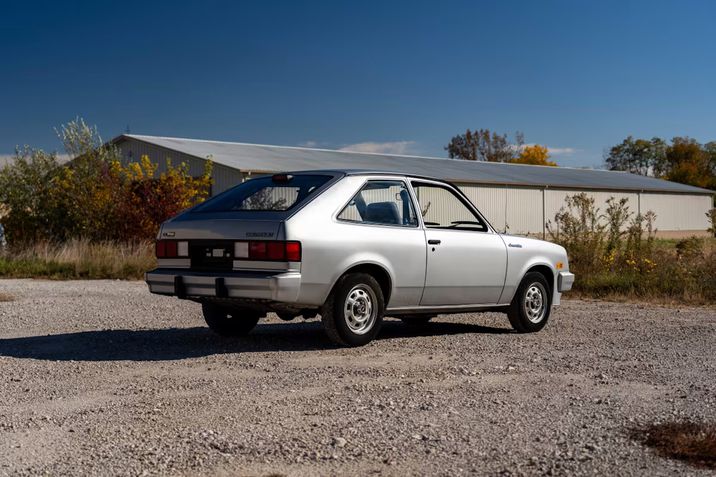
(518, 317)
(342, 289)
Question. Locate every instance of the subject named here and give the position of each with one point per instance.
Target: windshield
(272, 193)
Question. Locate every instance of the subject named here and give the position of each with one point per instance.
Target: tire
(531, 305)
(353, 313)
(227, 321)
(416, 320)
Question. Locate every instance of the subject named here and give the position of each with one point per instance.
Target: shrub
(95, 196)
(614, 253)
(711, 215)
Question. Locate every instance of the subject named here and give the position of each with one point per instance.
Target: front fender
(526, 255)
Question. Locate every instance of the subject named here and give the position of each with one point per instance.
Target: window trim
(460, 196)
(289, 212)
(408, 189)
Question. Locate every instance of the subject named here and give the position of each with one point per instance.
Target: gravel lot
(102, 378)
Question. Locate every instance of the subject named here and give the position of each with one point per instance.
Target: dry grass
(79, 259)
(692, 442)
(6, 297)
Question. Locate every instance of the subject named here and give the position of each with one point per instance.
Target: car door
(466, 260)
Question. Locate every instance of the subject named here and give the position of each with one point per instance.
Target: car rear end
(234, 247)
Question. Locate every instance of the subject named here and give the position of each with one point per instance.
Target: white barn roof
(264, 158)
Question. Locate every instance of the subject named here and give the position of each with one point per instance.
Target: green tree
(645, 157)
(687, 162)
(484, 145)
(95, 196)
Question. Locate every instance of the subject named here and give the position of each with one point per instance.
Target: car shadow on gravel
(184, 343)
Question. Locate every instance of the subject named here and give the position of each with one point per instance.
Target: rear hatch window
(275, 193)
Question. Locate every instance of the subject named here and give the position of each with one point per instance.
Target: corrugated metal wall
(518, 210)
(224, 177)
(677, 212)
(524, 210)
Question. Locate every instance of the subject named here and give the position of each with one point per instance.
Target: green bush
(95, 196)
(614, 254)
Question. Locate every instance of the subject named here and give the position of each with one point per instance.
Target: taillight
(171, 249)
(268, 250)
(293, 251)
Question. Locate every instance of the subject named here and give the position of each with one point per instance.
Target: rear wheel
(416, 320)
(227, 321)
(531, 305)
(353, 313)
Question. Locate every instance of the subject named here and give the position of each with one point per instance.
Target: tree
(483, 145)
(639, 156)
(95, 196)
(684, 160)
(710, 148)
(688, 163)
(535, 155)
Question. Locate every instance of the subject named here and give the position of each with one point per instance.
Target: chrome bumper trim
(283, 287)
(565, 280)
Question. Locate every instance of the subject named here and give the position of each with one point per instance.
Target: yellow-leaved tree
(535, 155)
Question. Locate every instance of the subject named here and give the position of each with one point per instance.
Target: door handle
(433, 242)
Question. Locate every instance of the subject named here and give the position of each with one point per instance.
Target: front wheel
(227, 321)
(531, 305)
(353, 313)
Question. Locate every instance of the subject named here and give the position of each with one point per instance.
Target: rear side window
(273, 193)
(381, 202)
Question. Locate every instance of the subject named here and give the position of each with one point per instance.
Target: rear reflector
(171, 249)
(241, 250)
(268, 250)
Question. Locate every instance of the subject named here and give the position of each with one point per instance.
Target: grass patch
(688, 441)
(6, 297)
(79, 259)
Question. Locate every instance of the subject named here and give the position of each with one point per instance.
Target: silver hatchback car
(352, 246)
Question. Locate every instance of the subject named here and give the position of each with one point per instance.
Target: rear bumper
(564, 281)
(281, 287)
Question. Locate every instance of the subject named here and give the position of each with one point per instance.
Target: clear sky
(574, 75)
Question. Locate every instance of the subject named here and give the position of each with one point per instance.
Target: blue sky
(576, 76)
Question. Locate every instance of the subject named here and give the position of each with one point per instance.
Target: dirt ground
(102, 378)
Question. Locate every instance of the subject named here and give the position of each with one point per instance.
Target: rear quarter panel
(330, 247)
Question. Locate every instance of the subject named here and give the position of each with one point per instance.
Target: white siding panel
(524, 211)
(224, 177)
(489, 200)
(556, 199)
(676, 211)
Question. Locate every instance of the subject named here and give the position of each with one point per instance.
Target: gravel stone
(101, 378)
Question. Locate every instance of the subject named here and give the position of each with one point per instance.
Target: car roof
(364, 172)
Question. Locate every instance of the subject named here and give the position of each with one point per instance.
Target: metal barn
(517, 198)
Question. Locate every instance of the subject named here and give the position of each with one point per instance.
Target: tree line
(485, 145)
(682, 160)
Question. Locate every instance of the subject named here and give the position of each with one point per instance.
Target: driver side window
(441, 208)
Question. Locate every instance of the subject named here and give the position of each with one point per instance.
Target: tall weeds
(614, 254)
(77, 259)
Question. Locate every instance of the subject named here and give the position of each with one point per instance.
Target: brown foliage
(692, 442)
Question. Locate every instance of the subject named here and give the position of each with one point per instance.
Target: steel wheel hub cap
(535, 303)
(359, 309)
